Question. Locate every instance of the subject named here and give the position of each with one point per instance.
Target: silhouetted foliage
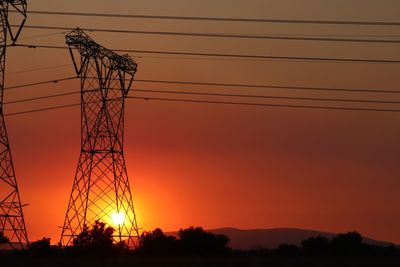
(192, 241)
(315, 246)
(97, 239)
(3, 238)
(288, 250)
(156, 242)
(95, 245)
(347, 244)
(41, 247)
(195, 240)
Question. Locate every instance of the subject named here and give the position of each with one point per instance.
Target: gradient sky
(215, 165)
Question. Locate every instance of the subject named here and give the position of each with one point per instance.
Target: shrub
(3, 238)
(156, 242)
(97, 239)
(195, 240)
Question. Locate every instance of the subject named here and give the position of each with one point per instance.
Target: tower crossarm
(17, 4)
(20, 6)
(87, 47)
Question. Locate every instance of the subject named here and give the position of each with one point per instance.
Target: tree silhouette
(348, 243)
(195, 240)
(156, 242)
(40, 247)
(315, 246)
(98, 238)
(3, 238)
(192, 241)
(287, 250)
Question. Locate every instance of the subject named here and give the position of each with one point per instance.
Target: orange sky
(214, 165)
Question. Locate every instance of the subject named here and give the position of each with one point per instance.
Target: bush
(41, 247)
(288, 250)
(315, 246)
(156, 242)
(3, 238)
(97, 239)
(347, 244)
(195, 240)
(192, 241)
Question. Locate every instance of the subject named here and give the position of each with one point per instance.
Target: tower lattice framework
(101, 188)
(12, 223)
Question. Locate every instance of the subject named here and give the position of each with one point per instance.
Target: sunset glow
(118, 218)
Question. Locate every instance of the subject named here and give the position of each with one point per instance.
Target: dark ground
(198, 261)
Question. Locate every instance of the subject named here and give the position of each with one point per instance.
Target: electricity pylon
(12, 223)
(101, 190)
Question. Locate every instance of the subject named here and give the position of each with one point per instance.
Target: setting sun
(118, 218)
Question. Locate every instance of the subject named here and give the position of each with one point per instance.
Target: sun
(118, 218)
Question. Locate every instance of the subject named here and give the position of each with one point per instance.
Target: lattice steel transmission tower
(12, 222)
(101, 188)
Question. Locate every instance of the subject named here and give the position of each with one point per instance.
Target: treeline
(194, 241)
(190, 241)
(199, 242)
(347, 244)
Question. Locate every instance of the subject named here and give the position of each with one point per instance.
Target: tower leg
(12, 223)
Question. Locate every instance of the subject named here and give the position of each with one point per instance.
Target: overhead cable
(222, 19)
(220, 35)
(241, 56)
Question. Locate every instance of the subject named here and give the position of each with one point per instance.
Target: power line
(220, 35)
(42, 97)
(263, 86)
(51, 108)
(43, 35)
(39, 69)
(270, 97)
(222, 102)
(241, 56)
(47, 96)
(40, 110)
(265, 34)
(264, 104)
(39, 83)
(215, 102)
(223, 19)
(220, 95)
(268, 86)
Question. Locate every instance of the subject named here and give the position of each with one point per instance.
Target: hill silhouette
(272, 238)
